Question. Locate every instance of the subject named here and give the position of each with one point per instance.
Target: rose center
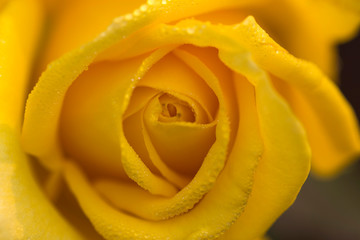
(175, 110)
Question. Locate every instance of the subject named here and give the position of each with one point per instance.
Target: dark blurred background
(329, 210)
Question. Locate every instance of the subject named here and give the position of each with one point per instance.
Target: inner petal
(171, 75)
(179, 130)
(182, 145)
(215, 158)
(174, 110)
(88, 129)
(92, 121)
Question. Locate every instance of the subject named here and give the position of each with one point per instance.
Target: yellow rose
(189, 123)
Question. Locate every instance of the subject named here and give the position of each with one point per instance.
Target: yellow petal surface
(233, 186)
(88, 125)
(79, 62)
(153, 12)
(25, 212)
(311, 31)
(172, 175)
(180, 79)
(333, 149)
(206, 176)
(318, 104)
(62, 23)
(285, 162)
(134, 161)
(183, 146)
(69, 18)
(234, 183)
(18, 39)
(323, 24)
(171, 75)
(212, 163)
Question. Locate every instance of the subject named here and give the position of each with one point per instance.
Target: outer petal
(25, 212)
(330, 122)
(324, 23)
(69, 18)
(17, 52)
(63, 24)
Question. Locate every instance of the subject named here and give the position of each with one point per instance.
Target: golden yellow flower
(182, 120)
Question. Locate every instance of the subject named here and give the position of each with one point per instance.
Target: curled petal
(317, 102)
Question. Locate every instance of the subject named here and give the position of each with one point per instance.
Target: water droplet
(277, 51)
(175, 29)
(137, 12)
(190, 30)
(143, 8)
(163, 2)
(118, 19)
(151, 2)
(128, 17)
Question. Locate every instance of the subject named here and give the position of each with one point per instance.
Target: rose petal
(25, 211)
(311, 31)
(18, 39)
(284, 165)
(87, 126)
(69, 20)
(63, 24)
(170, 75)
(326, 24)
(182, 145)
(316, 101)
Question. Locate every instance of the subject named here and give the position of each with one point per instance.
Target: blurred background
(329, 210)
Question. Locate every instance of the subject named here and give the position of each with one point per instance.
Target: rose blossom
(181, 120)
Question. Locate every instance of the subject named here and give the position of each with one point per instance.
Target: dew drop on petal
(118, 19)
(143, 8)
(137, 12)
(190, 30)
(128, 17)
